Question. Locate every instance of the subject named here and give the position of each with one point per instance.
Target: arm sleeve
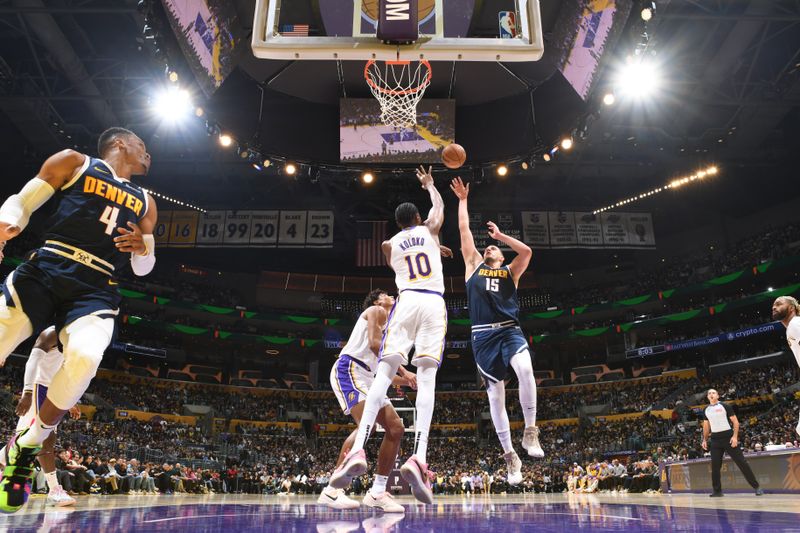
(32, 366)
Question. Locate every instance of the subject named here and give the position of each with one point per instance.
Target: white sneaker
(530, 441)
(336, 499)
(384, 502)
(59, 498)
(514, 468)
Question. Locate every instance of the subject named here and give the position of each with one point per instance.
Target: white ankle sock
(52, 481)
(379, 485)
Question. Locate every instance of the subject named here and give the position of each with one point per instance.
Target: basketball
(454, 155)
(370, 8)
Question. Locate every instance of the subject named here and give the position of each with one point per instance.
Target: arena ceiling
(70, 68)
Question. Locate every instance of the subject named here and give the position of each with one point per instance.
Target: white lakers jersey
(793, 338)
(357, 345)
(417, 261)
(43, 367)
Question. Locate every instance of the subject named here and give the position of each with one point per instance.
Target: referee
(724, 438)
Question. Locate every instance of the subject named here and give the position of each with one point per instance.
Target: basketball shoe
(15, 486)
(382, 502)
(530, 441)
(514, 468)
(336, 499)
(416, 474)
(354, 465)
(59, 497)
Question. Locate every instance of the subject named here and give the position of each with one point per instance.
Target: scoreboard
(270, 229)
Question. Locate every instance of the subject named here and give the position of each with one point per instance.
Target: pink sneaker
(354, 465)
(416, 474)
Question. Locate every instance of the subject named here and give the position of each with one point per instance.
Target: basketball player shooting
(102, 222)
(418, 320)
(497, 340)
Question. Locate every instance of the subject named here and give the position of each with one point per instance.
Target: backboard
(449, 30)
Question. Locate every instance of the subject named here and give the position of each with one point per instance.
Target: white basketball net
(398, 86)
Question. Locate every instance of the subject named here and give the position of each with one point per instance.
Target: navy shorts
(55, 290)
(493, 350)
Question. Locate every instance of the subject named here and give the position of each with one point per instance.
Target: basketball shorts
(418, 320)
(494, 348)
(350, 381)
(51, 289)
(39, 396)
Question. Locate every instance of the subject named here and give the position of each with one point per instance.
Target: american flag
(294, 30)
(369, 236)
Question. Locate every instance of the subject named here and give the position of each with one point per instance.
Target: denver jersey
(492, 296)
(91, 207)
(357, 346)
(417, 261)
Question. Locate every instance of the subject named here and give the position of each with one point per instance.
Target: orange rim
(395, 92)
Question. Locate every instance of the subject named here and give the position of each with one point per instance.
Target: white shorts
(418, 320)
(351, 382)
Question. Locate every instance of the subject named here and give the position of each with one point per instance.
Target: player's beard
(780, 314)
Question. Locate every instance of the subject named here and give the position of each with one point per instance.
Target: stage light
(648, 11)
(267, 163)
(712, 170)
(173, 76)
(225, 140)
(502, 170)
(524, 165)
(609, 99)
(290, 169)
(638, 79)
(256, 166)
(566, 143)
(199, 112)
(367, 178)
(173, 104)
(547, 158)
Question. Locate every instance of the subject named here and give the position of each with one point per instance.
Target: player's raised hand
(2, 246)
(8, 231)
(460, 189)
(131, 241)
(494, 231)
(75, 412)
(445, 251)
(425, 177)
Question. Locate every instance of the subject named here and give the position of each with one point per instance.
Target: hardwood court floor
(497, 513)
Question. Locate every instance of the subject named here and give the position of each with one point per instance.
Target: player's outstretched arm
(436, 214)
(386, 248)
(55, 173)
(472, 258)
(524, 253)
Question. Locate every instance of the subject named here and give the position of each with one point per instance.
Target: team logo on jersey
(351, 396)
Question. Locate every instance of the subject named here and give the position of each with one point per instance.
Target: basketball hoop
(398, 87)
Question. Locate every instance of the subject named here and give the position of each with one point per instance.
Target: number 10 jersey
(417, 261)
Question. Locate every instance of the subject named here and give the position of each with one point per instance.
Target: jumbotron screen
(363, 138)
(208, 33)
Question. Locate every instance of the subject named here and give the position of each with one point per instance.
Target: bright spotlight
(173, 76)
(609, 99)
(648, 11)
(525, 165)
(502, 170)
(712, 170)
(566, 143)
(225, 140)
(173, 104)
(638, 79)
(367, 177)
(290, 169)
(547, 158)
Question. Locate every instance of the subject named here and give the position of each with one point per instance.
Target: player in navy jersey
(497, 340)
(102, 222)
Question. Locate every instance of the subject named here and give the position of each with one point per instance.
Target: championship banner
(507, 222)
(581, 229)
(216, 229)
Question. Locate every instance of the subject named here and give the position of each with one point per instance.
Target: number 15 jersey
(492, 296)
(417, 261)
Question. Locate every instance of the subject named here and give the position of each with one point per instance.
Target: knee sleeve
(85, 341)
